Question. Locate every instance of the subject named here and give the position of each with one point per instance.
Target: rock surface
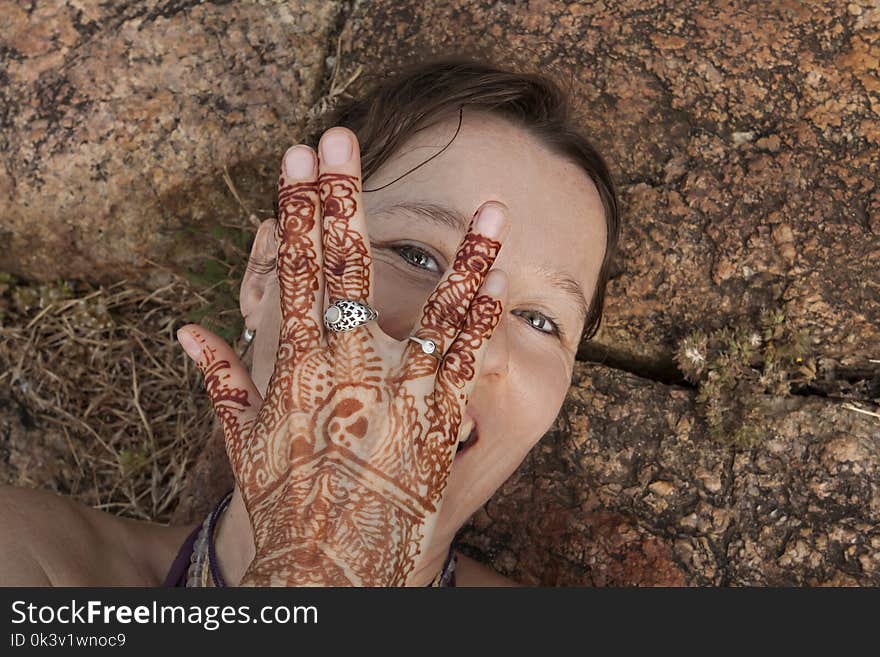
(118, 119)
(627, 490)
(745, 136)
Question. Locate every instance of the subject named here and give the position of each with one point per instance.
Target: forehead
(557, 217)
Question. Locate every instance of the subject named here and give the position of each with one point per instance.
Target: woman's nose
(497, 351)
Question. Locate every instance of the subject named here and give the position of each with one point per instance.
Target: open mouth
(472, 438)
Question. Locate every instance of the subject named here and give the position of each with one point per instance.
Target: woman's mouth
(472, 438)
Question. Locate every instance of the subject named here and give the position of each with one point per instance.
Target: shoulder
(470, 572)
(50, 540)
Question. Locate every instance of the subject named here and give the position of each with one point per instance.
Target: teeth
(465, 435)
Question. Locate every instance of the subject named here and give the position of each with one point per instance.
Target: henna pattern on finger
(231, 403)
(298, 266)
(458, 367)
(457, 374)
(347, 260)
(447, 306)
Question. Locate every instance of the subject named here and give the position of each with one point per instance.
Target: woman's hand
(342, 467)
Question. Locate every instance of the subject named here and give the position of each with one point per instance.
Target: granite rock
(744, 137)
(118, 120)
(626, 490)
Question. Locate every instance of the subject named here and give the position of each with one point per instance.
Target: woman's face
(551, 255)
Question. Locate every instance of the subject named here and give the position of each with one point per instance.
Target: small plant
(217, 276)
(7, 284)
(739, 370)
(27, 298)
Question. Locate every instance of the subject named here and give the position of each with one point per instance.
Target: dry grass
(116, 410)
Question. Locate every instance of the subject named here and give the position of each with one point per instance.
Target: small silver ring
(347, 314)
(428, 346)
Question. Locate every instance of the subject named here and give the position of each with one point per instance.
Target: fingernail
(189, 344)
(491, 221)
(336, 148)
(299, 162)
(495, 283)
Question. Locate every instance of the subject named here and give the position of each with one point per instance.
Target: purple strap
(212, 554)
(176, 576)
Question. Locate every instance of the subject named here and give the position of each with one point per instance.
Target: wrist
(234, 541)
(429, 569)
(240, 565)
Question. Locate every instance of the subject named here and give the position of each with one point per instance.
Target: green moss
(217, 276)
(739, 370)
(27, 299)
(131, 461)
(24, 300)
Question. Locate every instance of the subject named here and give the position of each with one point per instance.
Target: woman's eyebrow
(448, 217)
(441, 215)
(572, 289)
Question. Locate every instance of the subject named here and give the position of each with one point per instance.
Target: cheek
(521, 410)
(539, 382)
(398, 301)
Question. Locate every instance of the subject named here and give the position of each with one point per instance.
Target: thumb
(233, 394)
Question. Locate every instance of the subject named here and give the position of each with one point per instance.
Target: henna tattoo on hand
(343, 468)
(230, 402)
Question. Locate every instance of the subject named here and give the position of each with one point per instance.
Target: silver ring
(347, 315)
(428, 346)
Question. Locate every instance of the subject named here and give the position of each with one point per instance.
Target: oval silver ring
(347, 314)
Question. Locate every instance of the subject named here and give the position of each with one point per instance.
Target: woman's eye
(538, 320)
(418, 258)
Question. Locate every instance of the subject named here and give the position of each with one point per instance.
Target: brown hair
(395, 108)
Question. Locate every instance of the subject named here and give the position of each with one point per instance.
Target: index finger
(299, 250)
